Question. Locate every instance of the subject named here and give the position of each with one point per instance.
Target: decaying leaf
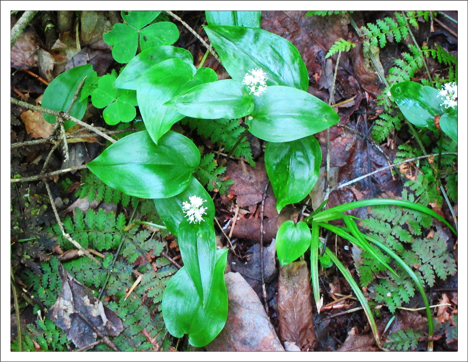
(24, 52)
(75, 299)
(295, 306)
(248, 328)
(36, 124)
(358, 343)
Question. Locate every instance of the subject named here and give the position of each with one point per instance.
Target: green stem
(314, 272)
(203, 59)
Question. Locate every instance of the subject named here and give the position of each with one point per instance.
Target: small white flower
(194, 210)
(256, 79)
(450, 93)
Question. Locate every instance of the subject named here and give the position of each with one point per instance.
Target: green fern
(406, 67)
(225, 133)
(425, 187)
(46, 334)
(404, 339)
(387, 29)
(441, 55)
(326, 13)
(211, 175)
(385, 125)
(340, 45)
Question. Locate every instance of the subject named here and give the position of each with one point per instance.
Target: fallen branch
(20, 25)
(45, 175)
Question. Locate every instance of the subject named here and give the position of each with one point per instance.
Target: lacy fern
(386, 29)
(211, 175)
(326, 13)
(340, 45)
(404, 339)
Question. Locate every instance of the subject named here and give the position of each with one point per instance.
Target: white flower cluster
(256, 79)
(194, 210)
(450, 95)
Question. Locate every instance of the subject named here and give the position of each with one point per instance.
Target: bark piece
(295, 306)
(248, 328)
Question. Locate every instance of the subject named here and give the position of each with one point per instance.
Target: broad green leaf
(182, 308)
(170, 209)
(124, 40)
(197, 243)
(250, 19)
(419, 104)
(284, 114)
(60, 92)
(293, 169)
(242, 49)
(162, 33)
(130, 75)
(139, 19)
(292, 241)
(158, 85)
(223, 99)
(138, 167)
(119, 111)
(449, 125)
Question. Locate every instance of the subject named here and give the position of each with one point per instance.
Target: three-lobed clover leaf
(120, 103)
(125, 37)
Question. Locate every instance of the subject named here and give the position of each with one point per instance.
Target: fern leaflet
(403, 339)
(340, 45)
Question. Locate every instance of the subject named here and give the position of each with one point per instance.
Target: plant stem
(203, 59)
(21, 25)
(42, 176)
(17, 313)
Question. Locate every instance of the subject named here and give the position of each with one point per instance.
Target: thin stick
(42, 176)
(64, 116)
(194, 33)
(69, 238)
(171, 260)
(46, 162)
(227, 237)
(89, 346)
(423, 308)
(262, 261)
(390, 166)
(21, 25)
(234, 221)
(446, 27)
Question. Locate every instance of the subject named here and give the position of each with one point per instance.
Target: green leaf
(124, 40)
(449, 124)
(292, 241)
(60, 92)
(182, 309)
(138, 167)
(170, 209)
(119, 111)
(105, 93)
(198, 247)
(418, 103)
(223, 99)
(162, 33)
(314, 257)
(158, 85)
(138, 19)
(249, 19)
(242, 49)
(284, 114)
(293, 169)
(130, 75)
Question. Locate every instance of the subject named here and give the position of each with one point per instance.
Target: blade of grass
(359, 295)
(314, 272)
(416, 280)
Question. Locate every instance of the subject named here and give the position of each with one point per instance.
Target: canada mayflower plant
(256, 79)
(194, 210)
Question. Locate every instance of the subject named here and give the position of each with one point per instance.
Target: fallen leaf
(358, 343)
(248, 328)
(36, 124)
(295, 306)
(24, 52)
(46, 63)
(443, 311)
(83, 204)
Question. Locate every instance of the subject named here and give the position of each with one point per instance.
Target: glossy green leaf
(158, 85)
(130, 75)
(105, 93)
(242, 49)
(292, 241)
(419, 104)
(449, 125)
(162, 33)
(138, 19)
(138, 167)
(170, 209)
(284, 114)
(60, 92)
(223, 99)
(182, 309)
(124, 40)
(293, 169)
(197, 243)
(250, 19)
(314, 257)
(119, 111)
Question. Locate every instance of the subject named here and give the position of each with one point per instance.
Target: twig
(64, 116)
(194, 33)
(171, 260)
(43, 176)
(262, 261)
(390, 166)
(89, 346)
(21, 25)
(446, 27)
(234, 221)
(59, 222)
(105, 339)
(46, 162)
(35, 76)
(17, 313)
(227, 238)
(423, 308)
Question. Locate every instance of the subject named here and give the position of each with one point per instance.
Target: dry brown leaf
(46, 64)
(443, 311)
(358, 343)
(36, 124)
(295, 306)
(24, 52)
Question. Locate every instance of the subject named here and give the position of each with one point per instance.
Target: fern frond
(386, 29)
(326, 13)
(385, 125)
(340, 45)
(404, 339)
(211, 175)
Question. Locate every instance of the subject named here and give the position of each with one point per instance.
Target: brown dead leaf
(36, 124)
(24, 52)
(358, 343)
(443, 311)
(83, 131)
(295, 306)
(248, 328)
(93, 25)
(83, 204)
(46, 64)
